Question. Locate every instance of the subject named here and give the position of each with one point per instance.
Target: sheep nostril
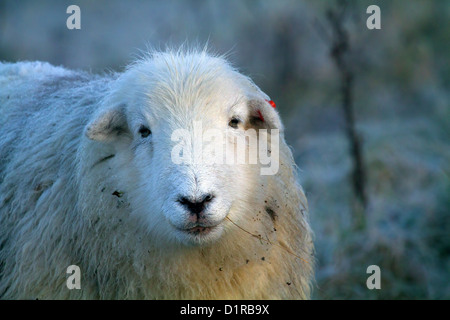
(208, 198)
(195, 206)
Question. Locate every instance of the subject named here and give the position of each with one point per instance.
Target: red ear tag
(272, 103)
(260, 115)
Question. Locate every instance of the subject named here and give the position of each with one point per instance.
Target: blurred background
(366, 112)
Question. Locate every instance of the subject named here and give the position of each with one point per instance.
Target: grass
(407, 229)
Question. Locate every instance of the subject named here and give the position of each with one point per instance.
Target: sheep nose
(195, 206)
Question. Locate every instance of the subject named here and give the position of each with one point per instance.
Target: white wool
(80, 186)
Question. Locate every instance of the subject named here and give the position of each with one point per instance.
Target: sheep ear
(108, 124)
(262, 115)
(262, 112)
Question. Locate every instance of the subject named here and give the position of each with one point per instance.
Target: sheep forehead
(187, 88)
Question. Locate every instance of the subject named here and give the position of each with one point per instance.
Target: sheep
(87, 178)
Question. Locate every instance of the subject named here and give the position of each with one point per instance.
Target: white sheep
(87, 179)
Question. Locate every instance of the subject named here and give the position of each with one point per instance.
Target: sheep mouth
(198, 230)
(199, 234)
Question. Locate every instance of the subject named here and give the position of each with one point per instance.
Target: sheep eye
(234, 123)
(144, 131)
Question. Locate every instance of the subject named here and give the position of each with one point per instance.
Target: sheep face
(175, 130)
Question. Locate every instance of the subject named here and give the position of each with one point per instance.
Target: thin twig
(341, 54)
